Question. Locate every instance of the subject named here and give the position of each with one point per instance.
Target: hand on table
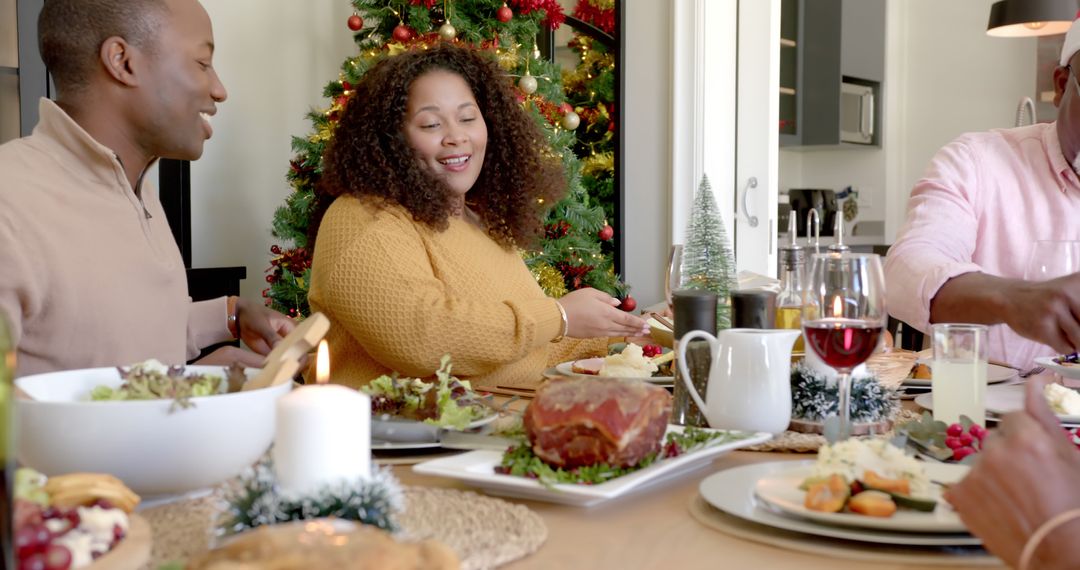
(591, 313)
(1047, 311)
(1026, 475)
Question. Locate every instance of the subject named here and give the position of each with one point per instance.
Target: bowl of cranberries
(74, 532)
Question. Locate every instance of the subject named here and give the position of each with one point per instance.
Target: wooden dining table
(653, 528)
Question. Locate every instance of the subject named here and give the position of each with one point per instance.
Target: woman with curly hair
(435, 178)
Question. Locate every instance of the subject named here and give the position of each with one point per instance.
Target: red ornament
(346, 85)
(402, 33)
(341, 100)
(355, 22)
(607, 232)
(566, 108)
(628, 304)
(504, 14)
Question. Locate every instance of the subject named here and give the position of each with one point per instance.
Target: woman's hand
(260, 327)
(591, 313)
(1026, 475)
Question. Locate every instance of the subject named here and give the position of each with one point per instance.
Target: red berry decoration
(607, 232)
(355, 22)
(402, 33)
(628, 304)
(504, 14)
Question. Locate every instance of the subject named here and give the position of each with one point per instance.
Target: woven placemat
(966, 556)
(795, 442)
(484, 532)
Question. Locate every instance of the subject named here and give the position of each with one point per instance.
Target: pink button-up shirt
(985, 199)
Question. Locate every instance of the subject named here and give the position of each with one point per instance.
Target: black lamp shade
(1024, 18)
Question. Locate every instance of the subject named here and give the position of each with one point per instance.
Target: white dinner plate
(1071, 370)
(567, 369)
(994, 375)
(781, 490)
(1000, 400)
(478, 468)
(732, 491)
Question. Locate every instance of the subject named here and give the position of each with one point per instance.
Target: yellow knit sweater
(400, 295)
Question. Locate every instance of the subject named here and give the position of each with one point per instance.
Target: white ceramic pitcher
(749, 384)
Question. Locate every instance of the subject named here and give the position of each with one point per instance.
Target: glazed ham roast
(577, 422)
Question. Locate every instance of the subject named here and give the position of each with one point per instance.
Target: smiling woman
(435, 178)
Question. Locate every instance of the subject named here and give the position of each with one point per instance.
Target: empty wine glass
(843, 317)
(673, 276)
(1050, 259)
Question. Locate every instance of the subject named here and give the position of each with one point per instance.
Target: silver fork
(1035, 370)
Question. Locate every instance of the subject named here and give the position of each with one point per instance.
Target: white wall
(274, 57)
(958, 80)
(944, 76)
(647, 138)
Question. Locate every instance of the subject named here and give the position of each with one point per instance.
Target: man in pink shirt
(972, 220)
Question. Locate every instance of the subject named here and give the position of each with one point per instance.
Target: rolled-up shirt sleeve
(937, 241)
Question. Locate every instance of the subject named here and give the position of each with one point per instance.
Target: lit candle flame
(837, 307)
(322, 364)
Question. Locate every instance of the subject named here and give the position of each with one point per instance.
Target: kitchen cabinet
(823, 45)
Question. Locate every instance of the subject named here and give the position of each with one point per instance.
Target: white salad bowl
(155, 449)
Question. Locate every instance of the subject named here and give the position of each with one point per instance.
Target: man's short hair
(70, 33)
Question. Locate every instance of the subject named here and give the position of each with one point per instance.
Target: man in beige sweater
(89, 272)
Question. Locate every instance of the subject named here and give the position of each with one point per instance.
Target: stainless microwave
(856, 113)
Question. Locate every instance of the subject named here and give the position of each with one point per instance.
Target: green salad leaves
(152, 380)
(447, 402)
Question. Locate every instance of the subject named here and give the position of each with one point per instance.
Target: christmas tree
(590, 89)
(570, 256)
(707, 261)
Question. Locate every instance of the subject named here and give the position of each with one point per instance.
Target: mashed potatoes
(1062, 400)
(630, 363)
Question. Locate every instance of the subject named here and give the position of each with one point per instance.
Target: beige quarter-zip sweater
(90, 274)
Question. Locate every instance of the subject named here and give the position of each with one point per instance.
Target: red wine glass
(843, 317)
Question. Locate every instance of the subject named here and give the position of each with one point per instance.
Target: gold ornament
(447, 32)
(527, 83)
(570, 121)
(549, 279)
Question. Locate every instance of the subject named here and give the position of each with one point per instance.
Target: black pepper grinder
(694, 311)
(753, 309)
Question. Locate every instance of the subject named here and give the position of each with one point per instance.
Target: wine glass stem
(843, 383)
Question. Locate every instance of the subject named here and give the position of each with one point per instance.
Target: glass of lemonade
(958, 372)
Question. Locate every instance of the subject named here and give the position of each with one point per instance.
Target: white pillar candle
(323, 436)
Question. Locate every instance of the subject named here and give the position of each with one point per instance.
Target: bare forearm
(972, 298)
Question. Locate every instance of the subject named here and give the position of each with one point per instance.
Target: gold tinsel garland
(602, 4)
(598, 164)
(550, 280)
